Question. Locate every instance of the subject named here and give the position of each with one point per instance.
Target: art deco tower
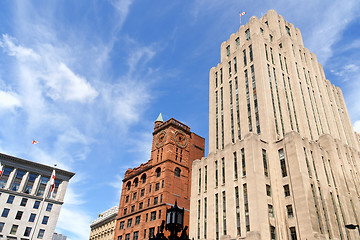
(283, 158)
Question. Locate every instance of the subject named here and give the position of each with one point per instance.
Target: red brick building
(155, 185)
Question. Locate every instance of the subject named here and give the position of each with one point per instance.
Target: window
(125, 211)
(235, 166)
(155, 200)
(286, 190)
(5, 212)
(42, 186)
(177, 172)
(30, 183)
(36, 205)
(271, 38)
(223, 171)
(271, 210)
(137, 220)
(128, 185)
(162, 183)
(251, 53)
(5, 176)
(158, 172)
(45, 220)
(243, 162)
(10, 199)
(32, 217)
(17, 180)
(262, 31)
(19, 215)
(216, 174)
(288, 30)
(1, 226)
(159, 214)
(293, 233)
(140, 206)
(144, 233)
(41, 234)
(151, 232)
(230, 69)
(157, 187)
(127, 198)
(282, 163)
(199, 181)
(237, 41)
(268, 190)
(129, 222)
(146, 218)
(224, 212)
(127, 236)
(49, 207)
(153, 216)
(136, 182)
(272, 233)
(23, 202)
(289, 211)
(266, 171)
(136, 235)
(228, 50)
(150, 188)
(122, 225)
(27, 232)
(119, 237)
(244, 53)
(143, 178)
(132, 208)
(235, 65)
(14, 229)
(247, 33)
(142, 192)
(148, 202)
(134, 196)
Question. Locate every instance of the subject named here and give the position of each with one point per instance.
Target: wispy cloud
(9, 101)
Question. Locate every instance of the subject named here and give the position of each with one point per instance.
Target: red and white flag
(1, 169)
(34, 141)
(52, 184)
(243, 13)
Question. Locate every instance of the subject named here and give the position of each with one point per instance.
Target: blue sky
(88, 78)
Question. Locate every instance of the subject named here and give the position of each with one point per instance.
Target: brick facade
(148, 190)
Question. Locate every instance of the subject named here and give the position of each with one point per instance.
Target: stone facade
(283, 158)
(148, 190)
(27, 210)
(103, 228)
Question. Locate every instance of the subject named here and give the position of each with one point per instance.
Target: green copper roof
(159, 118)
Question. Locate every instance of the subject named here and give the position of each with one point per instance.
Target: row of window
(27, 232)
(136, 235)
(141, 204)
(24, 201)
(30, 181)
(177, 173)
(19, 215)
(142, 191)
(138, 219)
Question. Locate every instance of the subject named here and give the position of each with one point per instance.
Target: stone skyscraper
(283, 158)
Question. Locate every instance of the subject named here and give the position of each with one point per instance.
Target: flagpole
(42, 206)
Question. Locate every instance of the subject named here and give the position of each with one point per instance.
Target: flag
(1, 169)
(52, 184)
(34, 141)
(243, 13)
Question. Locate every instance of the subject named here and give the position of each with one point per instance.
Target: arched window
(143, 178)
(177, 172)
(136, 182)
(128, 185)
(158, 172)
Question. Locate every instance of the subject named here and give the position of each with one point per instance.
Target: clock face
(180, 139)
(160, 139)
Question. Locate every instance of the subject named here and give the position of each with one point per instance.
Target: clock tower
(155, 185)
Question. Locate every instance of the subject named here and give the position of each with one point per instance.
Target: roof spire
(159, 118)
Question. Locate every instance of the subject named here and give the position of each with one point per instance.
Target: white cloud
(122, 6)
(9, 101)
(20, 52)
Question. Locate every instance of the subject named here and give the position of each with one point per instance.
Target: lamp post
(174, 224)
(353, 226)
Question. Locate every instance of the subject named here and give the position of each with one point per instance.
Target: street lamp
(174, 224)
(353, 226)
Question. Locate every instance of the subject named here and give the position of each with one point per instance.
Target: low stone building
(103, 227)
